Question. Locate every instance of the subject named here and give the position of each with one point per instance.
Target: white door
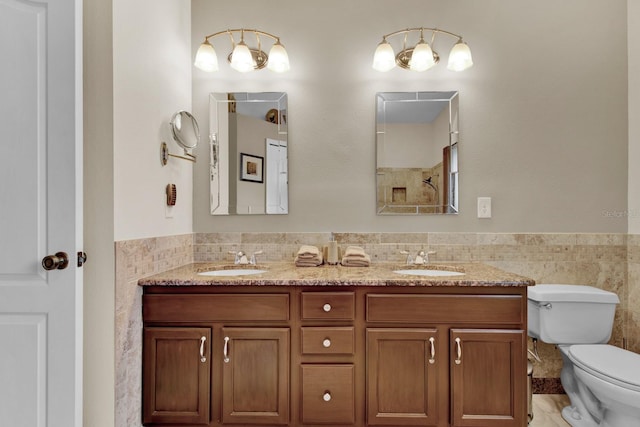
(40, 213)
(276, 177)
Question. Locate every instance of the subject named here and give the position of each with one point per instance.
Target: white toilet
(602, 381)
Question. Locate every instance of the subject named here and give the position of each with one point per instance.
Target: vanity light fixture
(421, 56)
(244, 58)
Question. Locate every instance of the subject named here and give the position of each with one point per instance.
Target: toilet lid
(609, 363)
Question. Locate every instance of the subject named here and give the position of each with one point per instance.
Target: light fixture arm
(422, 29)
(241, 31)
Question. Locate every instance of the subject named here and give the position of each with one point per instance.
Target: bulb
(206, 59)
(384, 59)
(422, 57)
(241, 59)
(278, 58)
(460, 57)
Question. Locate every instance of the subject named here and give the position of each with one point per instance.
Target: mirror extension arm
(165, 155)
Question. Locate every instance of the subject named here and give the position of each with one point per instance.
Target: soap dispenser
(332, 251)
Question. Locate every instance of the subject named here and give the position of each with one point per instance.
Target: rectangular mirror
(417, 153)
(248, 153)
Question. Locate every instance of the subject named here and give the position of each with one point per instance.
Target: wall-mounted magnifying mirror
(184, 128)
(417, 153)
(248, 153)
(185, 132)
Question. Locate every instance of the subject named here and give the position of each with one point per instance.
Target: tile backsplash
(607, 261)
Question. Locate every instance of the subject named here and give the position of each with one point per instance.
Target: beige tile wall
(598, 260)
(632, 314)
(607, 261)
(136, 259)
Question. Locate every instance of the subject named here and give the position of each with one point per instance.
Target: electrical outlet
(484, 207)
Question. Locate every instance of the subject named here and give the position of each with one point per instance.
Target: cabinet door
(255, 377)
(488, 373)
(176, 375)
(402, 366)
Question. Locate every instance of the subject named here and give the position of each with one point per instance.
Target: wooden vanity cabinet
(245, 378)
(349, 356)
(472, 357)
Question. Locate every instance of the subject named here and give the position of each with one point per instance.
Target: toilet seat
(609, 363)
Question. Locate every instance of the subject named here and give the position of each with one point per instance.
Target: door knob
(59, 261)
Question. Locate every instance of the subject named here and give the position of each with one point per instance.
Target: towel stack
(354, 256)
(308, 256)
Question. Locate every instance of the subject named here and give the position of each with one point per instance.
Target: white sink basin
(429, 272)
(232, 272)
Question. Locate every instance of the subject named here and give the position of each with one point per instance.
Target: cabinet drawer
(476, 309)
(191, 308)
(328, 394)
(328, 305)
(339, 340)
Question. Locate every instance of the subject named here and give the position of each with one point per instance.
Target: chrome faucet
(241, 258)
(421, 258)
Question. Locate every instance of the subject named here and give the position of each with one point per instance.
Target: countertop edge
(378, 275)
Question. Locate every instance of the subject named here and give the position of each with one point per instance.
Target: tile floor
(546, 410)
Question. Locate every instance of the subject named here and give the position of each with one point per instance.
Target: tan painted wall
(543, 112)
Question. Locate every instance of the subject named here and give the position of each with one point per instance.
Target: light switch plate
(484, 207)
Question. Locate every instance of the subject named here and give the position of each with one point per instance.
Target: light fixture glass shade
(422, 57)
(241, 59)
(384, 59)
(460, 57)
(206, 59)
(278, 58)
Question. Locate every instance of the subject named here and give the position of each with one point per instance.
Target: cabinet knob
(326, 396)
(326, 308)
(326, 343)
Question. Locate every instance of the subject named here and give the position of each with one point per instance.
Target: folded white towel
(354, 251)
(356, 261)
(354, 256)
(308, 256)
(308, 251)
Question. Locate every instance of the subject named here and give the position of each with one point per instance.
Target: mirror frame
(446, 189)
(221, 184)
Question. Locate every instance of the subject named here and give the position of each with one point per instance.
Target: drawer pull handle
(225, 351)
(326, 308)
(432, 341)
(458, 351)
(326, 343)
(202, 357)
(326, 396)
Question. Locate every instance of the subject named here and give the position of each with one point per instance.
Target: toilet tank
(570, 314)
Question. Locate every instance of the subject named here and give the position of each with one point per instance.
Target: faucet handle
(253, 257)
(238, 256)
(426, 258)
(409, 257)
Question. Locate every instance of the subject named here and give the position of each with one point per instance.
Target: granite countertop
(378, 274)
